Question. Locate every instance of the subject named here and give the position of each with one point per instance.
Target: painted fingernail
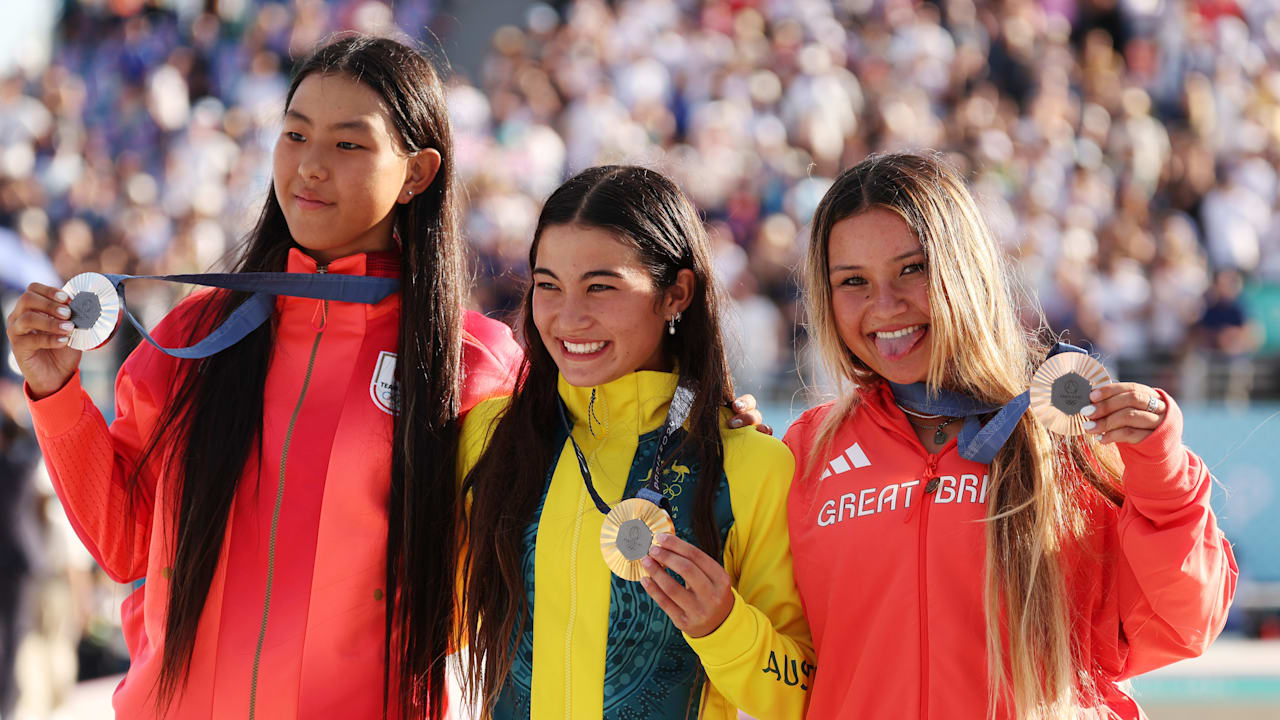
(735, 423)
(1089, 424)
(1088, 410)
(63, 340)
(739, 405)
(66, 325)
(1096, 395)
(63, 297)
(64, 311)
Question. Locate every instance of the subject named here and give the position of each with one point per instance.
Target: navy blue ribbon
(677, 413)
(265, 286)
(977, 441)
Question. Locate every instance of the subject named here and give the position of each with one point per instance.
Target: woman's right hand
(38, 329)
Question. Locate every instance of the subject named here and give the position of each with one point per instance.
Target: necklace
(913, 413)
(939, 437)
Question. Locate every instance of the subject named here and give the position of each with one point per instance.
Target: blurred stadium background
(1126, 152)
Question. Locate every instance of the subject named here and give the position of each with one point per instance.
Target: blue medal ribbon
(977, 441)
(265, 286)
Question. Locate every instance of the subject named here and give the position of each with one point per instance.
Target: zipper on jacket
(275, 513)
(929, 485)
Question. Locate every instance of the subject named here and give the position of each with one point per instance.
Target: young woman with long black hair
(620, 316)
(291, 501)
(956, 559)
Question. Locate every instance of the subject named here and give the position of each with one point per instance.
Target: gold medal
(95, 310)
(1060, 389)
(628, 533)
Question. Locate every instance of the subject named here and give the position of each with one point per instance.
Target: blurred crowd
(1125, 152)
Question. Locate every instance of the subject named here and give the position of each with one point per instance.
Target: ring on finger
(1153, 404)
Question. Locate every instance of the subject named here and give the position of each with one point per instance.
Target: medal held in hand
(629, 526)
(1060, 389)
(628, 534)
(97, 302)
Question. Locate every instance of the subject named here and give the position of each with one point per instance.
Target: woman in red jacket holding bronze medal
(957, 556)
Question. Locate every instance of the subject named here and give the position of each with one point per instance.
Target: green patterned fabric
(650, 671)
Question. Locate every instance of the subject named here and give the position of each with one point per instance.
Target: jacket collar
(876, 399)
(634, 404)
(377, 264)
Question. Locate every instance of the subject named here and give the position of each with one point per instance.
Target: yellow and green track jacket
(599, 647)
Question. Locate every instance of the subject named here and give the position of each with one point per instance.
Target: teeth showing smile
(898, 333)
(583, 348)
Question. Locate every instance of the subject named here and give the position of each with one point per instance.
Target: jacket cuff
(734, 638)
(57, 414)
(1156, 467)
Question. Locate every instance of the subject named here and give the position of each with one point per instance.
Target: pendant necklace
(939, 437)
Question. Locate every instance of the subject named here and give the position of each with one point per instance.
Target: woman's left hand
(1124, 412)
(704, 601)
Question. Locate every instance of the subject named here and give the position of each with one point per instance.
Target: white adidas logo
(839, 464)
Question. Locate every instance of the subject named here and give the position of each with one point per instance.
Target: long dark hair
(214, 417)
(648, 213)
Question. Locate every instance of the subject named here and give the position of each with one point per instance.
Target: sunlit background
(1125, 152)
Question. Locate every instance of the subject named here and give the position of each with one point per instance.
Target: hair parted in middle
(1041, 484)
(647, 213)
(212, 423)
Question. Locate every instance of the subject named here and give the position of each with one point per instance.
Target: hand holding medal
(1072, 394)
(1124, 412)
(48, 325)
(638, 541)
(702, 603)
(39, 329)
(1060, 396)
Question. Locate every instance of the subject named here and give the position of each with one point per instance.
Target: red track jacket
(889, 553)
(326, 437)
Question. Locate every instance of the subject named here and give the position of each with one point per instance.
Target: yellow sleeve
(477, 428)
(761, 657)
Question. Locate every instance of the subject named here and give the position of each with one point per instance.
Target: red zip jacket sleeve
(90, 464)
(1175, 575)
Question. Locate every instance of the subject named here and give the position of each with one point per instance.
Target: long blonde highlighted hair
(1040, 483)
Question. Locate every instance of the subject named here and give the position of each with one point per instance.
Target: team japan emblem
(383, 388)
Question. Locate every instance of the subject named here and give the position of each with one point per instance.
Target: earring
(410, 193)
(671, 323)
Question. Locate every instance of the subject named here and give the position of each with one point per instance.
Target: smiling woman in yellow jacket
(621, 297)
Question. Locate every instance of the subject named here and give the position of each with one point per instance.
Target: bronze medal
(1060, 389)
